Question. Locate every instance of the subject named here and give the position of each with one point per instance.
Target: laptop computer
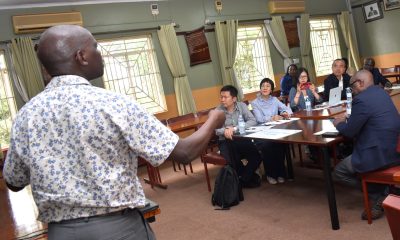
(335, 96)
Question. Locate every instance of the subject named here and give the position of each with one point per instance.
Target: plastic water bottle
(349, 100)
(308, 103)
(241, 125)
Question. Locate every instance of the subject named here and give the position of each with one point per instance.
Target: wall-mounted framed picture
(391, 4)
(372, 11)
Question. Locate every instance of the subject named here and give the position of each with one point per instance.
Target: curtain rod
(112, 32)
(322, 14)
(208, 22)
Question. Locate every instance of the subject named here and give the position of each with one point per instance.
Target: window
(131, 68)
(8, 109)
(253, 60)
(325, 44)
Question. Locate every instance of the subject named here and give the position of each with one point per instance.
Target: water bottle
(308, 103)
(241, 125)
(349, 100)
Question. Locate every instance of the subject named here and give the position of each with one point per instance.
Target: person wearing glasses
(268, 108)
(375, 124)
(338, 78)
(303, 88)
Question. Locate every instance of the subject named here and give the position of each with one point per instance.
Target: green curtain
(276, 32)
(172, 53)
(226, 36)
(351, 42)
(305, 45)
(27, 67)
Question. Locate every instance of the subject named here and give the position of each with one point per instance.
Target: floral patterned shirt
(77, 145)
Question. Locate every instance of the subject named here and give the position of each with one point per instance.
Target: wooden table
(309, 127)
(392, 75)
(396, 177)
(188, 124)
(321, 113)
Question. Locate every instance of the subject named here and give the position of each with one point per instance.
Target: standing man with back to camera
(77, 145)
(374, 123)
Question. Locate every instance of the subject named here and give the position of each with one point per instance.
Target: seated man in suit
(338, 78)
(241, 148)
(375, 124)
(369, 64)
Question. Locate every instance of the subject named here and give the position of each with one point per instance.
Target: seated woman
(288, 80)
(268, 108)
(303, 88)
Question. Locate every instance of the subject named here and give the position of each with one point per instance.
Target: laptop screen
(334, 96)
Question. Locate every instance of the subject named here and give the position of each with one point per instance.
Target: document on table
(273, 133)
(328, 126)
(257, 129)
(280, 121)
(395, 86)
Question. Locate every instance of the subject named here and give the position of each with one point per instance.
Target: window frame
(267, 62)
(152, 55)
(336, 52)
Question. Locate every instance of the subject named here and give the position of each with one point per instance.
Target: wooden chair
(177, 119)
(390, 70)
(385, 176)
(212, 158)
(153, 173)
(392, 210)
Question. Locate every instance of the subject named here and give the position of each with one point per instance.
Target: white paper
(280, 121)
(257, 128)
(273, 133)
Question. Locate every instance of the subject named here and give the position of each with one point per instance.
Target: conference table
(309, 136)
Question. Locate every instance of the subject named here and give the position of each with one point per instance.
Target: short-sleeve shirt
(77, 145)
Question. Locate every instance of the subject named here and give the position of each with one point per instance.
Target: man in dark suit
(339, 77)
(375, 125)
(369, 64)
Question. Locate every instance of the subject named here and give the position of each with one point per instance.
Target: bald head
(69, 50)
(362, 80)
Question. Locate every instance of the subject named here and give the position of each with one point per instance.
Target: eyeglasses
(352, 84)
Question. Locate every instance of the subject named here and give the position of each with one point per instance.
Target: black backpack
(227, 190)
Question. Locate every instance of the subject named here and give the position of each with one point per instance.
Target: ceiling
(14, 4)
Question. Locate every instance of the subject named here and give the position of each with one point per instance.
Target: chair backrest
(180, 118)
(392, 210)
(204, 112)
(387, 70)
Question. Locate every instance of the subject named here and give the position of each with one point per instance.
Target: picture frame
(372, 11)
(391, 4)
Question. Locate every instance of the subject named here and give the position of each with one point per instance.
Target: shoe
(376, 210)
(281, 180)
(253, 183)
(271, 180)
(375, 214)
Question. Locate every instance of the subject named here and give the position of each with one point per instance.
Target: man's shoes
(376, 210)
(254, 182)
(271, 180)
(281, 180)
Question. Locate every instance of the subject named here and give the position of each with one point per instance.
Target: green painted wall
(189, 14)
(378, 37)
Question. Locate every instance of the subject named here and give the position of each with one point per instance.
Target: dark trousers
(345, 173)
(273, 158)
(242, 148)
(126, 224)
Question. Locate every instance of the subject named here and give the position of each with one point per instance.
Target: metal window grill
(253, 59)
(131, 68)
(325, 44)
(8, 109)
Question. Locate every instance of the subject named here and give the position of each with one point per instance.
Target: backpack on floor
(227, 189)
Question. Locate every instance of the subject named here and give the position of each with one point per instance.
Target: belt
(86, 219)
